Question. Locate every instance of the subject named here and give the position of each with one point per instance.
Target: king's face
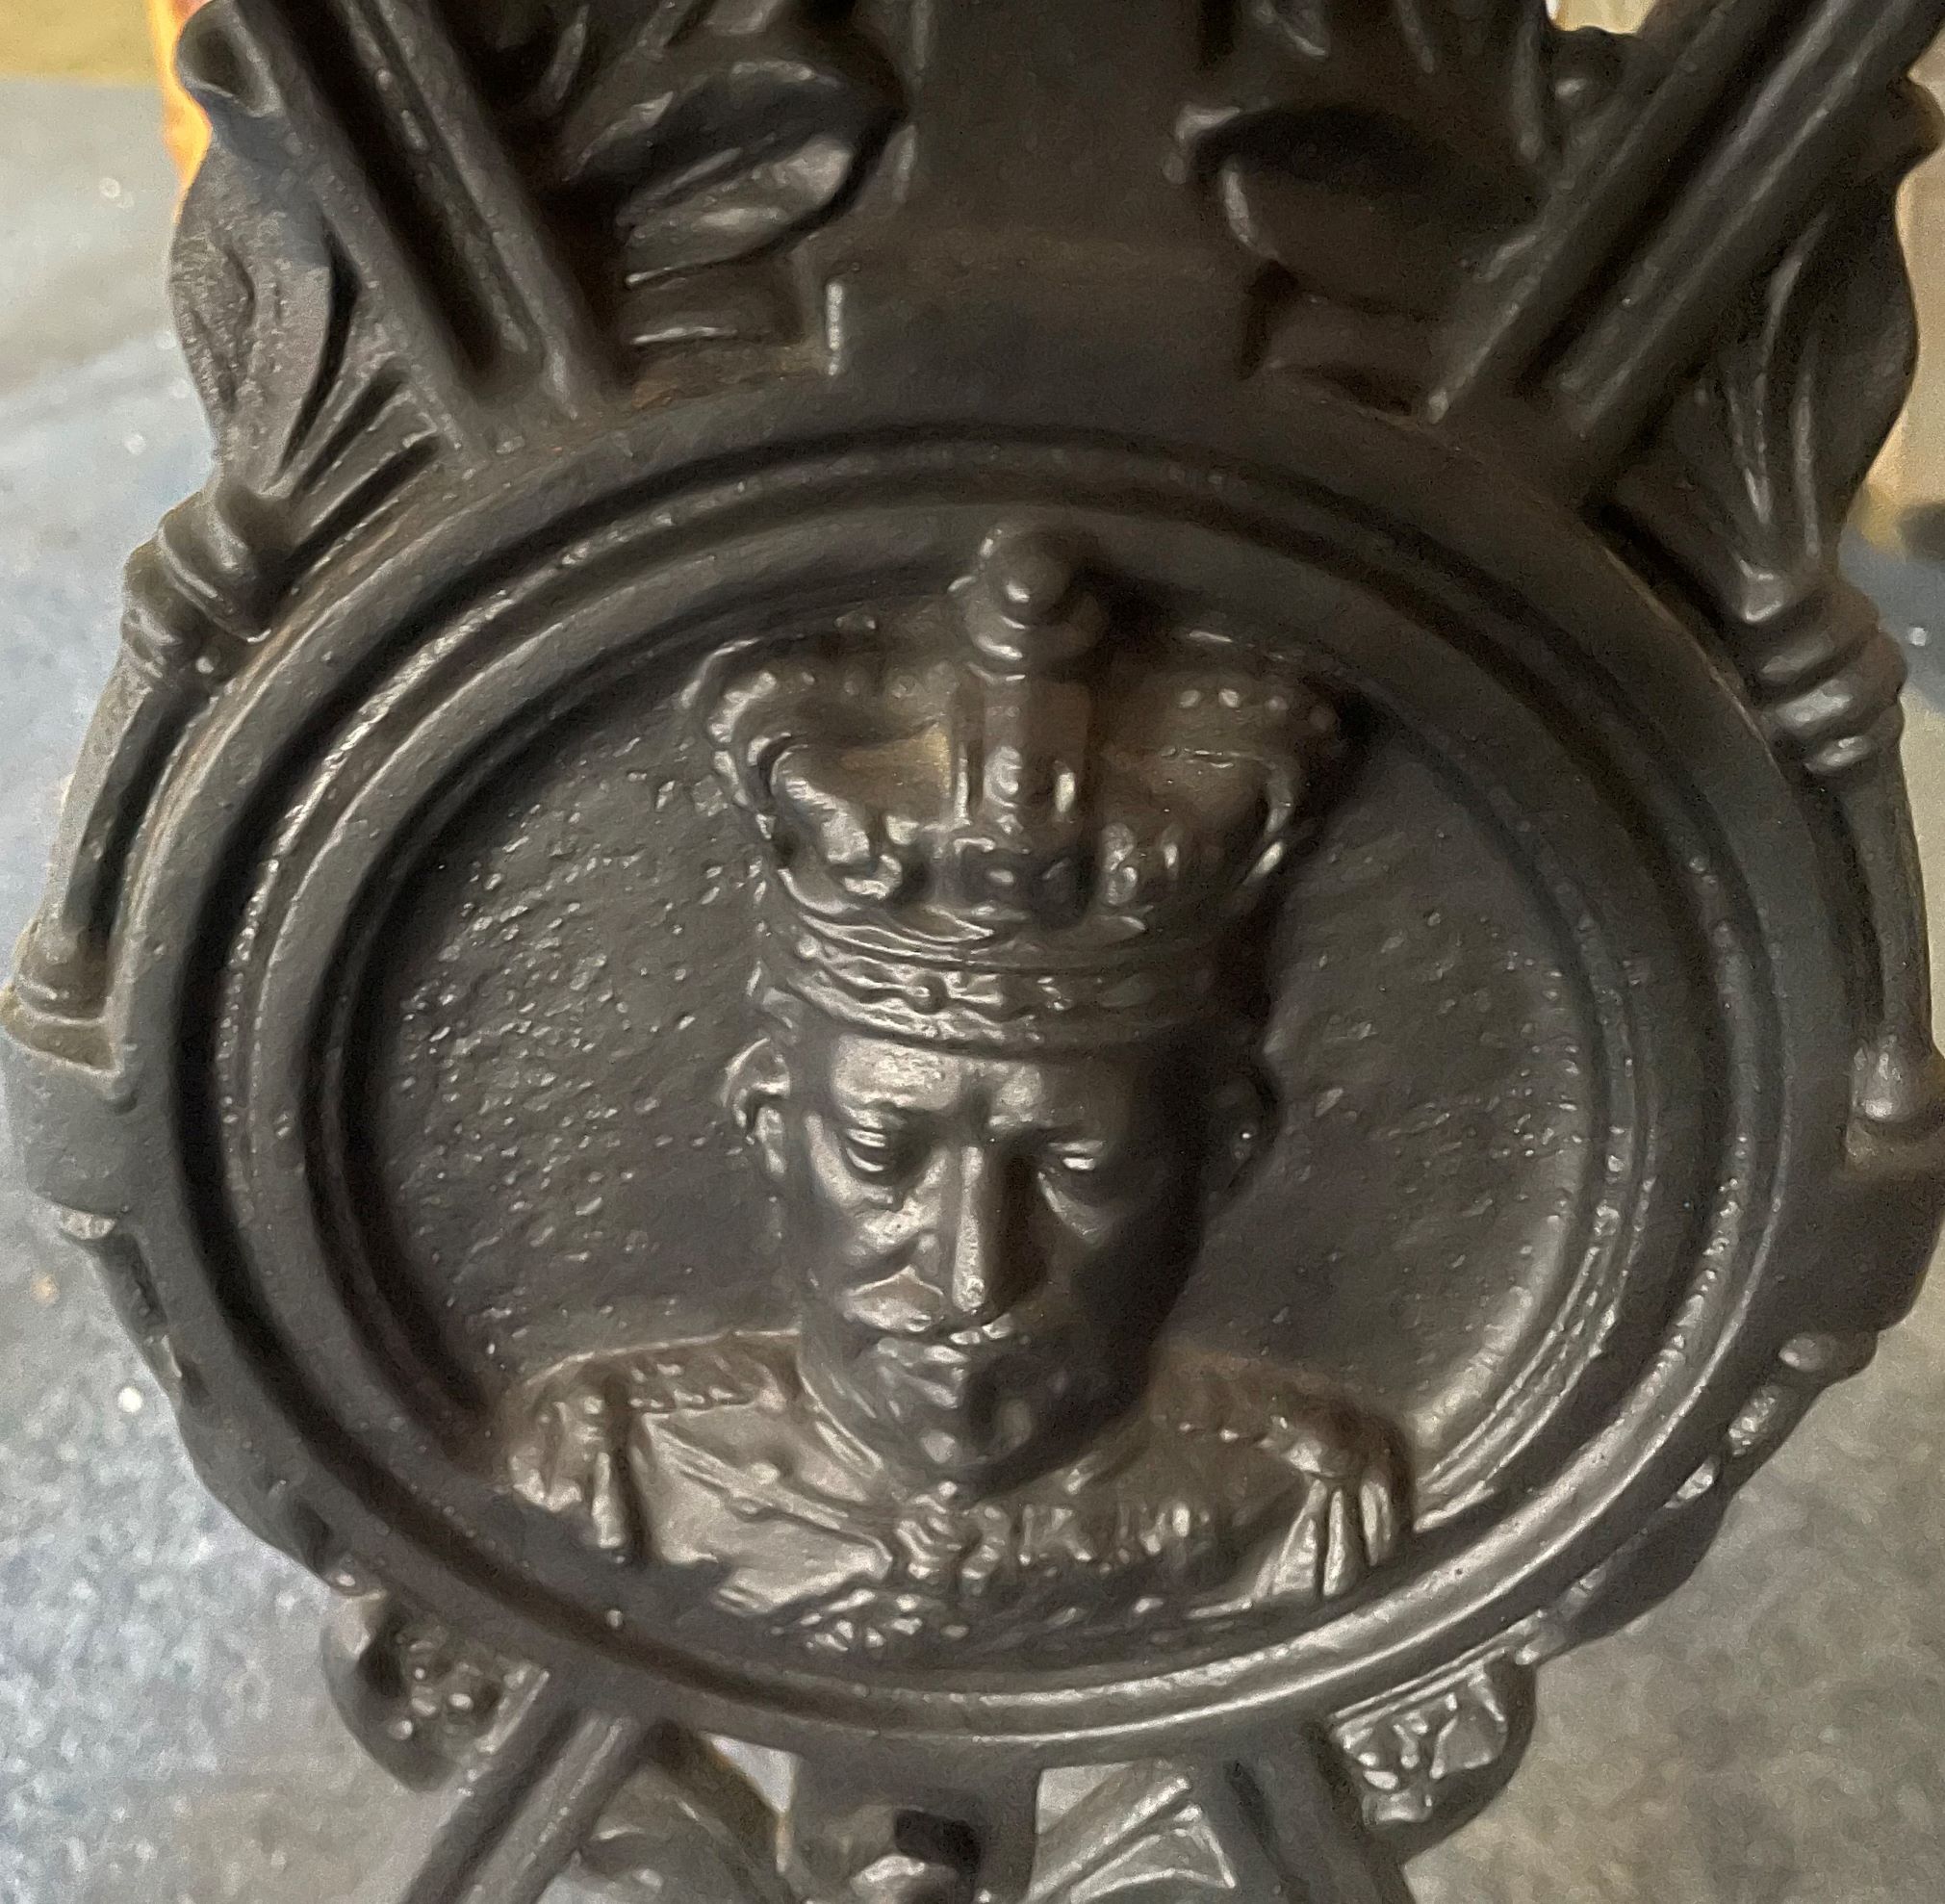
(988, 1245)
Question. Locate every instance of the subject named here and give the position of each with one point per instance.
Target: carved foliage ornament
(1001, 929)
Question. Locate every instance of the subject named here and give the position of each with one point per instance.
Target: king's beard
(973, 1414)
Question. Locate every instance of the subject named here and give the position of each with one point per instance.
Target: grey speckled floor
(1775, 1737)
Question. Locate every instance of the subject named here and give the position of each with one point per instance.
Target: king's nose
(978, 1246)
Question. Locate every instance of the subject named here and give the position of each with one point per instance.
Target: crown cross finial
(1021, 737)
(1017, 820)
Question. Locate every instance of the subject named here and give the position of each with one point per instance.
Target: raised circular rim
(1676, 688)
(472, 706)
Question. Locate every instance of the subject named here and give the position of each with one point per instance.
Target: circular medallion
(988, 938)
(474, 1197)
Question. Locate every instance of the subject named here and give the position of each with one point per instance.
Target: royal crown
(1020, 820)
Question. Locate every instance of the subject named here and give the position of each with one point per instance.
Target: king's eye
(872, 1153)
(1083, 1160)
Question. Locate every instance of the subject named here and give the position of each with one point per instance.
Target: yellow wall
(75, 38)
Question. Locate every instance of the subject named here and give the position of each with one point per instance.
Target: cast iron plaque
(1001, 891)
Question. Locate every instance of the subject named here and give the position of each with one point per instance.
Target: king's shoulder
(715, 1373)
(723, 1371)
(1205, 1396)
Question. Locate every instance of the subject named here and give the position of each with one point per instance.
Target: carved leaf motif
(720, 129)
(257, 302)
(1434, 1757)
(1442, 35)
(315, 425)
(1137, 1833)
(535, 53)
(1386, 205)
(689, 1827)
(1756, 467)
(1446, 35)
(1306, 24)
(1503, 46)
(314, 432)
(1179, 1857)
(1341, 200)
(419, 1697)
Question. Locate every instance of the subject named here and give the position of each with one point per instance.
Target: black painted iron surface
(999, 887)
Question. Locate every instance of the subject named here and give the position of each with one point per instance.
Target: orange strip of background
(184, 126)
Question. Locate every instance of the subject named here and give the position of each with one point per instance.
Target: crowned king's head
(1021, 823)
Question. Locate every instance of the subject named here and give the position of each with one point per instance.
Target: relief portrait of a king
(1018, 861)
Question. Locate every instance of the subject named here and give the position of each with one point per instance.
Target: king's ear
(756, 1087)
(1242, 1115)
